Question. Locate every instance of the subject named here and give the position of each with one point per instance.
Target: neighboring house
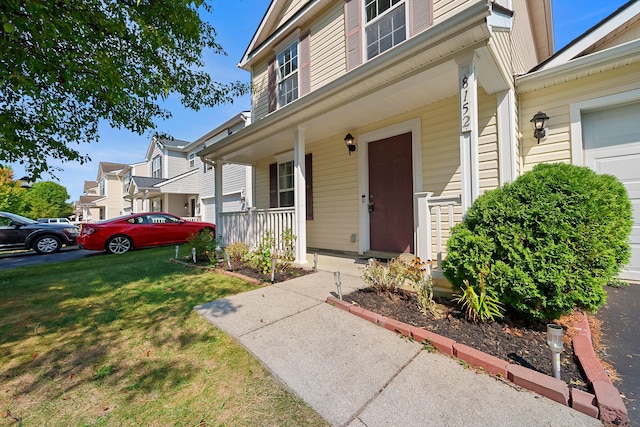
(177, 181)
(86, 209)
(110, 190)
(436, 100)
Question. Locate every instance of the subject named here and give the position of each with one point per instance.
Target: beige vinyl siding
(630, 34)
(524, 46)
(443, 9)
(328, 60)
(335, 196)
(556, 102)
(207, 182)
(488, 141)
(290, 9)
(177, 163)
(261, 173)
(260, 91)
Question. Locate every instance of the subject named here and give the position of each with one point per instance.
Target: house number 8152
(465, 109)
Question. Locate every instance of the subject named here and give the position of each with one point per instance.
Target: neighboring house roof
(144, 182)
(88, 200)
(586, 43)
(225, 129)
(90, 185)
(111, 167)
(165, 143)
(185, 182)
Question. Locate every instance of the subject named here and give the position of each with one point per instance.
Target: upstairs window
(385, 25)
(192, 160)
(156, 167)
(126, 181)
(103, 186)
(287, 65)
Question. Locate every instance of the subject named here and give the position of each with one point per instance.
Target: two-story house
(434, 100)
(109, 203)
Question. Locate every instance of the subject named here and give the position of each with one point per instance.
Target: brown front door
(391, 194)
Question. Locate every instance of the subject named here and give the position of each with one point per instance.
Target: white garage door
(612, 146)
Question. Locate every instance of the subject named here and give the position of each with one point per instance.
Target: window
(126, 181)
(103, 185)
(156, 167)
(288, 74)
(285, 184)
(156, 205)
(385, 25)
(192, 160)
(281, 185)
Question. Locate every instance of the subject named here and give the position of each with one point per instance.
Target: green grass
(113, 340)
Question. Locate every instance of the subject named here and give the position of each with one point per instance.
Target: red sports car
(120, 235)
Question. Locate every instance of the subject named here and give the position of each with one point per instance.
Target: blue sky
(235, 22)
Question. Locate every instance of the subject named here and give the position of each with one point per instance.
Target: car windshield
(18, 218)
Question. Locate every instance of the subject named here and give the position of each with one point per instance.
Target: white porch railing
(190, 218)
(250, 226)
(435, 220)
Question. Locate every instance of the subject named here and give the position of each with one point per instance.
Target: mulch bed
(508, 340)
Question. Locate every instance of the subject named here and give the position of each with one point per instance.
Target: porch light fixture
(539, 123)
(349, 140)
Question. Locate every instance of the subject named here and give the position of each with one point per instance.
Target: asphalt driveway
(26, 259)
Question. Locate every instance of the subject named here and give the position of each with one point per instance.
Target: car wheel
(47, 244)
(119, 245)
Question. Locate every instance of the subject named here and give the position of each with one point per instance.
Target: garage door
(612, 146)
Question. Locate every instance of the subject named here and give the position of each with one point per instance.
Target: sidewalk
(354, 373)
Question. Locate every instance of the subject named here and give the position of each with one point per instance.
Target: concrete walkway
(354, 373)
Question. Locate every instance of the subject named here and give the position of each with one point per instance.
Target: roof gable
(598, 37)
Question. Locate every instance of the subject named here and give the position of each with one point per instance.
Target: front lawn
(113, 340)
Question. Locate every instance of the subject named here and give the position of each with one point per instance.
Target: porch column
(507, 139)
(217, 194)
(300, 197)
(469, 160)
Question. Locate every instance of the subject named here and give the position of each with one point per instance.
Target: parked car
(18, 232)
(54, 220)
(120, 235)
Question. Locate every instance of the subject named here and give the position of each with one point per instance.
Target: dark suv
(18, 232)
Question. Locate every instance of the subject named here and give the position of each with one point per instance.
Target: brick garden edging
(606, 404)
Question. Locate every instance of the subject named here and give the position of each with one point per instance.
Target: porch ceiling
(421, 71)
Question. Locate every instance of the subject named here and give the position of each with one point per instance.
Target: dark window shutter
(353, 33)
(273, 185)
(304, 52)
(272, 85)
(421, 12)
(308, 172)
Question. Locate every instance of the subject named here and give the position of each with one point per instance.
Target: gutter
(421, 42)
(548, 77)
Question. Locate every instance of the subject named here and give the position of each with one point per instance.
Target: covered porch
(442, 87)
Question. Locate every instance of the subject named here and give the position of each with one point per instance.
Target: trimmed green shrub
(546, 243)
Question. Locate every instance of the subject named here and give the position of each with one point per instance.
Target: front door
(391, 223)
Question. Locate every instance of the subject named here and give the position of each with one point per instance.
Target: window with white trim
(287, 74)
(385, 25)
(103, 186)
(285, 184)
(156, 167)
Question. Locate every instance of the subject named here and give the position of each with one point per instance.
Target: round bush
(546, 243)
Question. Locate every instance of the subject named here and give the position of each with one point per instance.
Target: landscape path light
(554, 341)
(336, 278)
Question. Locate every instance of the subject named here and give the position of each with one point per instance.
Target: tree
(11, 193)
(65, 65)
(47, 199)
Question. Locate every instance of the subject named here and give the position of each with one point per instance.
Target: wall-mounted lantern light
(539, 123)
(350, 141)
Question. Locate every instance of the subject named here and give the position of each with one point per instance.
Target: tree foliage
(65, 65)
(11, 193)
(47, 199)
(545, 244)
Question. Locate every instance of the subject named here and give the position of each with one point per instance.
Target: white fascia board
(237, 119)
(549, 77)
(589, 39)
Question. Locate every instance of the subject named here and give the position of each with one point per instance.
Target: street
(30, 258)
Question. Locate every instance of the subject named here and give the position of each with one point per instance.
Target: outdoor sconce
(539, 123)
(349, 140)
(186, 205)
